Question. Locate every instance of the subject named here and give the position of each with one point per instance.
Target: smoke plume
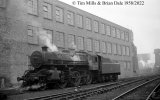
(75, 58)
(45, 39)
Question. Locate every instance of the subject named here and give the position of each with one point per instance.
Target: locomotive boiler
(62, 69)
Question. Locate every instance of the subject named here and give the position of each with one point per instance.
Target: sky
(143, 20)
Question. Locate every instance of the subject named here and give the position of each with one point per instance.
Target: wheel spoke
(75, 78)
(63, 81)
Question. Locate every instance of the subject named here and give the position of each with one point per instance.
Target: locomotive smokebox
(44, 48)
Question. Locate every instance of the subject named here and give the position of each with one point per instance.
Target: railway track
(82, 94)
(153, 95)
(140, 92)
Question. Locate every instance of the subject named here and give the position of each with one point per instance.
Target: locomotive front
(36, 59)
(43, 69)
(53, 67)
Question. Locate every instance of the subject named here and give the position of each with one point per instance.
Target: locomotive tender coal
(62, 69)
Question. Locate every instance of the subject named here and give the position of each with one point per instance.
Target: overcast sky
(143, 20)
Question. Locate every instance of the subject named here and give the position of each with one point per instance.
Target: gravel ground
(50, 92)
(141, 93)
(54, 91)
(114, 93)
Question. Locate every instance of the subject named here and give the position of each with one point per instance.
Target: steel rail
(152, 92)
(67, 93)
(102, 90)
(85, 92)
(75, 92)
(133, 89)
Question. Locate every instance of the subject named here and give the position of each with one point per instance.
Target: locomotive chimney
(44, 48)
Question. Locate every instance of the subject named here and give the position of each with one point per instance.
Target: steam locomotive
(66, 69)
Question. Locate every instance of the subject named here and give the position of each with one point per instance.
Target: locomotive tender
(65, 69)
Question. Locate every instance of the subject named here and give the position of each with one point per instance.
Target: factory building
(26, 25)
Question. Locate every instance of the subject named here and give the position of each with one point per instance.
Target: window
(71, 42)
(122, 35)
(79, 21)
(103, 44)
(114, 48)
(109, 48)
(97, 46)
(32, 34)
(118, 33)
(123, 50)
(47, 9)
(32, 7)
(80, 43)
(96, 26)
(70, 18)
(59, 14)
(59, 39)
(127, 36)
(113, 32)
(102, 30)
(108, 30)
(30, 30)
(128, 65)
(119, 51)
(2, 3)
(88, 23)
(89, 44)
(127, 51)
(125, 64)
(49, 35)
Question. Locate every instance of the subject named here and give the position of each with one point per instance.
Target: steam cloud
(75, 58)
(45, 39)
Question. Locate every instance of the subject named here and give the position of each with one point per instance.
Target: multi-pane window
(89, 44)
(59, 39)
(49, 34)
(127, 50)
(95, 26)
(47, 9)
(128, 65)
(70, 18)
(59, 14)
(71, 42)
(108, 30)
(79, 21)
(114, 48)
(88, 23)
(97, 46)
(2, 3)
(32, 34)
(125, 64)
(109, 47)
(118, 33)
(126, 36)
(122, 35)
(80, 43)
(103, 44)
(102, 30)
(113, 32)
(123, 50)
(30, 30)
(32, 6)
(119, 51)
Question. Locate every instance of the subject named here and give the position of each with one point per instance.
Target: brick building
(21, 22)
